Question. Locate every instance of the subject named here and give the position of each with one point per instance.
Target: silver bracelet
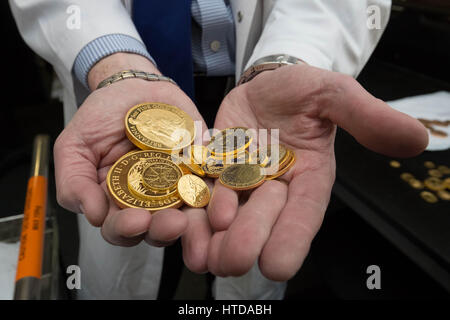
(129, 74)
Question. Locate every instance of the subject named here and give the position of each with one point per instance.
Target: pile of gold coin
(434, 187)
(159, 175)
(154, 178)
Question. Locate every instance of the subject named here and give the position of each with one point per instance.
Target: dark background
(412, 58)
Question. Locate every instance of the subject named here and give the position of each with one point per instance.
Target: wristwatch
(268, 63)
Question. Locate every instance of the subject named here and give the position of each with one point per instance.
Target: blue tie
(165, 28)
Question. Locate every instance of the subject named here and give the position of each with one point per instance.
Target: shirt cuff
(104, 46)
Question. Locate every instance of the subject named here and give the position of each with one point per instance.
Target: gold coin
(435, 173)
(138, 189)
(447, 183)
(199, 154)
(406, 176)
(161, 173)
(428, 197)
(229, 141)
(193, 191)
(444, 195)
(159, 126)
(395, 164)
(289, 164)
(184, 169)
(416, 184)
(117, 183)
(213, 167)
(242, 176)
(193, 168)
(434, 184)
(444, 169)
(429, 164)
(286, 159)
(241, 157)
(270, 154)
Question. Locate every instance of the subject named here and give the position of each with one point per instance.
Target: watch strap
(271, 62)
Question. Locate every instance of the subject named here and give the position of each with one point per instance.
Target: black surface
(340, 254)
(370, 179)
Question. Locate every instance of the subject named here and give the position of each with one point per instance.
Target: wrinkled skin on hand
(277, 223)
(92, 141)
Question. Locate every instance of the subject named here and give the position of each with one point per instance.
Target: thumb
(77, 184)
(371, 121)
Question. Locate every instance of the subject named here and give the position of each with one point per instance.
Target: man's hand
(280, 219)
(95, 138)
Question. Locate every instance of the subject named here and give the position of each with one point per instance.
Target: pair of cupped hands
(278, 221)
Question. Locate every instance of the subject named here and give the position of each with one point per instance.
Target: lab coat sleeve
(58, 29)
(338, 35)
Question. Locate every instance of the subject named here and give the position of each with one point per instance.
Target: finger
(370, 120)
(299, 221)
(117, 150)
(222, 207)
(167, 226)
(214, 254)
(250, 230)
(76, 181)
(126, 227)
(195, 240)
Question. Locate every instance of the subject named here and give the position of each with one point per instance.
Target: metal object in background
(29, 266)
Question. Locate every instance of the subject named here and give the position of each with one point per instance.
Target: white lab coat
(329, 34)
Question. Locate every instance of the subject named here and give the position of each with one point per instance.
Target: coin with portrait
(159, 126)
(242, 176)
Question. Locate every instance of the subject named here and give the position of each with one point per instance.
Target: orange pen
(29, 266)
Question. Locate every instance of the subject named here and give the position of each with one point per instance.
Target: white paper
(434, 106)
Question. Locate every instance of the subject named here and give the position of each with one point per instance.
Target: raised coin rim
(123, 204)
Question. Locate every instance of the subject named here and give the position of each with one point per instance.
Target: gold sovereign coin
(242, 176)
(199, 154)
(117, 183)
(193, 168)
(434, 184)
(416, 184)
(241, 157)
(185, 170)
(435, 173)
(444, 195)
(161, 173)
(229, 141)
(213, 167)
(286, 168)
(444, 169)
(193, 191)
(159, 126)
(188, 163)
(406, 176)
(267, 155)
(395, 164)
(447, 183)
(429, 164)
(429, 197)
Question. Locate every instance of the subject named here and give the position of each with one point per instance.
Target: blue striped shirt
(213, 42)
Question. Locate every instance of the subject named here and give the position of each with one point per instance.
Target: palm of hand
(280, 219)
(93, 140)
